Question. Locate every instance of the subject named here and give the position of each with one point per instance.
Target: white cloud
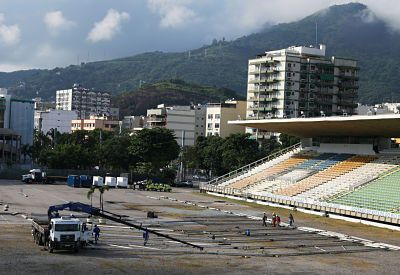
(110, 25)
(9, 67)
(387, 10)
(55, 21)
(173, 13)
(9, 34)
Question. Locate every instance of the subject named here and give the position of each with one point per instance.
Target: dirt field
(214, 223)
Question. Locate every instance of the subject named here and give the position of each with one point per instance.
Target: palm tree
(101, 189)
(89, 194)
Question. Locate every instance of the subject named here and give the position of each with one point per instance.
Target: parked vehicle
(186, 183)
(37, 176)
(61, 234)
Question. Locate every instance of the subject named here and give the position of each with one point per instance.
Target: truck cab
(35, 175)
(66, 233)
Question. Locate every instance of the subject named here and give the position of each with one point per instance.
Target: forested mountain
(349, 30)
(171, 92)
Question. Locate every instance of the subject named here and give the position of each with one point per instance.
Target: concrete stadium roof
(357, 126)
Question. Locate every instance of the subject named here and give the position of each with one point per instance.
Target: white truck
(61, 233)
(38, 176)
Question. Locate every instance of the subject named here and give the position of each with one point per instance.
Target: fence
(325, 207)
(248, 167)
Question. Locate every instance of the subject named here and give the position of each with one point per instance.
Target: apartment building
(86, 102)
(156, 117)
(60, 120)
(187, 122)
(218, 115)
(95, 123)
(300, 82)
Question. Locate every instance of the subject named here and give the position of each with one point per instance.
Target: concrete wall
(359, 149)
(55, 119)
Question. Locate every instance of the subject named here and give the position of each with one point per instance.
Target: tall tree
(239, 150)
(156, 147)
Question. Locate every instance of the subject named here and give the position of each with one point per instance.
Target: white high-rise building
(85, 102)
(300, 82)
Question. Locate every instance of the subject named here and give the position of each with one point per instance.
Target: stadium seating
(382, 194)
(270, 171)
(353, 179)
(329, 169)
(257, 169)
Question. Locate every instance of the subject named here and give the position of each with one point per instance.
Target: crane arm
(82, 207)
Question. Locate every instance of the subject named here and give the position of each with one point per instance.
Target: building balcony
(263, 61)
(345, 85)
(348, 77)
(263, 108)
(270, 71)
(268, 90)
(263, 99)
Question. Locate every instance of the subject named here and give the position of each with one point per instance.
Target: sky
(51, 33)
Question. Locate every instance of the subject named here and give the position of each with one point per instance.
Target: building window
(217, 116)
(216, 125)
(209, 125)
(210, 116)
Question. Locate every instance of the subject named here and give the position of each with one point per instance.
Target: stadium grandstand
(347, 165)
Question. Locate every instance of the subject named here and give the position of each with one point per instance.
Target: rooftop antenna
(316, 34)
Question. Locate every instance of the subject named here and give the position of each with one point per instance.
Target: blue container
(73, 181)
(86, 181)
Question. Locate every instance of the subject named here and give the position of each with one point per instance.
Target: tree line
(218, 156)
(153, 153)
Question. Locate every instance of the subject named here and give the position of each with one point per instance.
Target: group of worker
(276, 220)
(96, 232)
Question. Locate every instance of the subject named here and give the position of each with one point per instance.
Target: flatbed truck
(37, 176)
(61, 234)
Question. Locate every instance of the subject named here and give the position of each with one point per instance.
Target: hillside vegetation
(171, 92)
(347, 30)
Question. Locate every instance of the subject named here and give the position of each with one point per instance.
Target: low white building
(60, 120)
